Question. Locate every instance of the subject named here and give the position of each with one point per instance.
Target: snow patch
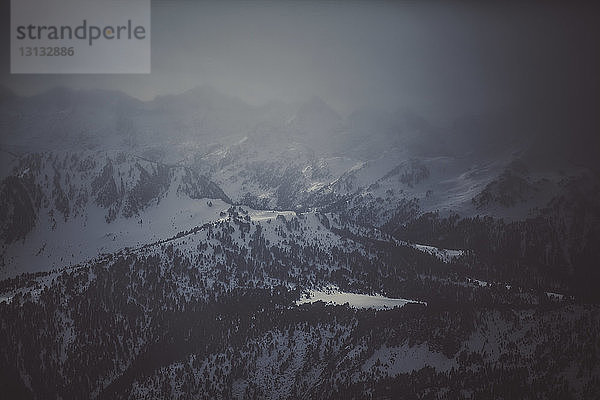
(333, 295)
(446, 255)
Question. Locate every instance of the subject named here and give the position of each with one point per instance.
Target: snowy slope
(84, 204)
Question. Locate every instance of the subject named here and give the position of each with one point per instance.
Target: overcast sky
(438, 58)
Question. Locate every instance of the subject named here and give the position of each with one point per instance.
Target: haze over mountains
(163, 248)
(309, 200)
(75, 153)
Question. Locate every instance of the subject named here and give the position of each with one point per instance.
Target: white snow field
(333, 295)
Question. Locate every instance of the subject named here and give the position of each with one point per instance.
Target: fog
(535, 63)
(303, 199)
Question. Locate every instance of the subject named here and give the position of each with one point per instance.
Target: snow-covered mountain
(188, 246)
(63, 208)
